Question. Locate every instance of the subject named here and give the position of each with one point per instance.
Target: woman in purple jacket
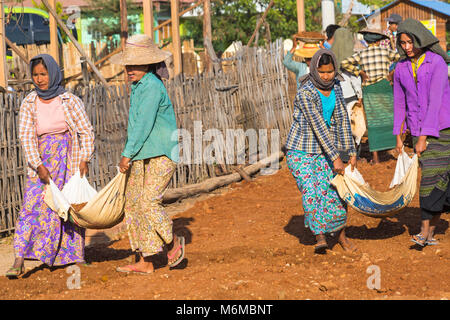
(422, 105)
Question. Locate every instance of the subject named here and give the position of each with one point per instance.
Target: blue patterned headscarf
(55, 78)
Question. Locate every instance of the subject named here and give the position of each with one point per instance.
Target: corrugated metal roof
(438, 6)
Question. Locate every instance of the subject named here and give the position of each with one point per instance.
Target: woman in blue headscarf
(57, 139)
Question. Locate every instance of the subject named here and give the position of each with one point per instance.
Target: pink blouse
(50, 117)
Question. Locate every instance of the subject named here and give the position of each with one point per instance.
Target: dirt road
(249, 242)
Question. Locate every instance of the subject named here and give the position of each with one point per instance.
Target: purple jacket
(427, 105)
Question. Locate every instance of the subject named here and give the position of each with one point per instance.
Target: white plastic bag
(78, 190)
(355, 175)
(402, 166)
(55, 199)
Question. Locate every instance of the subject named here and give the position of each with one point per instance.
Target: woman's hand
(352, 162)
(399, 146)
(294, 44)
(84, 169)
(124, 164)
(421, 145)
(338, 166)
(43, 174)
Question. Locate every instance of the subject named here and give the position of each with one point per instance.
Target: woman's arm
(28, 137)
(399, 104)
(351, 64)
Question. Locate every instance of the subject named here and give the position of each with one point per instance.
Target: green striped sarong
(379, 109)
(435, 162)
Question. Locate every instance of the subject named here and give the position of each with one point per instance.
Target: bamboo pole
(54, 52)
(75, 42)
(159, 26)
(258, 25)
(148, 17)
(14, 48)
(3, 67)
(301, 15)
(207, 31)
(124, 30)
(176, 42)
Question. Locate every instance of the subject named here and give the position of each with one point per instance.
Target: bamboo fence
(252, 95)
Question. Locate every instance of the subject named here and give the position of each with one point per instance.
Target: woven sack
(360, 196)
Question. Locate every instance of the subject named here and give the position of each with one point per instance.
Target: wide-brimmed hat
(308, 50)
(140, 50)
(374, 31)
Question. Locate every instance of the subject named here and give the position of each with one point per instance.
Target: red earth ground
(248, 241)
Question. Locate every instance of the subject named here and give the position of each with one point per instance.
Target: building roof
(435, 5)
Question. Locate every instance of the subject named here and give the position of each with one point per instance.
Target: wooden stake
(176, 42)
(3, 66)
(301, 15)
(207, 32)
(260, 22)
(159, 26)
(124, 31)
(14, 48)
(54, 52)
(148, 18)
(75, 42)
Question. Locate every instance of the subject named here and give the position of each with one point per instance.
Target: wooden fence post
(148, 18)
(207, 32)
(301, 15)
(3, 66)
(54, 52)
(176, 42)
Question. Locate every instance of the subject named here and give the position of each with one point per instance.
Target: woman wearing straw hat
(149, 156)
(306, 52)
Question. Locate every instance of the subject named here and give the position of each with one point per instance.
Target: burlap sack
(106, 209)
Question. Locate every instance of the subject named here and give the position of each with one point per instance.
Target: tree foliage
(106, 14)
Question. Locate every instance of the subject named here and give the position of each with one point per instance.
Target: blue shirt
(328, 104)
(299, 68)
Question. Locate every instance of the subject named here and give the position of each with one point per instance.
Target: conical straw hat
(139, 50)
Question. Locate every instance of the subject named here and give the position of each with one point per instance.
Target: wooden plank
(177, 59)
(3, 66)
(54, 52)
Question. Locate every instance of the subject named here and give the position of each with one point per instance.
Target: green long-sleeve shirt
(152, 127)
(299, 68)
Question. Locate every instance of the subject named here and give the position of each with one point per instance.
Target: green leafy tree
(106, 14)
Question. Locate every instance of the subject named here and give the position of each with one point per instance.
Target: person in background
(421, 105)
(329, 32)
(306, 52)
(150, 155)
(391, 32)
(351, 85)
(57, 139)
(320, 128)
(373, 64)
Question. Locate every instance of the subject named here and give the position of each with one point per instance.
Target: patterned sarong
(324, 211)
(40, 233)
(149, 226)
(435, 181)
(378, 101)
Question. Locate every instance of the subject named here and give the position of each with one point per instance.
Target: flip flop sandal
(432, 242)
(14, 272)
(131, 269)
(419, 239)
(321, 248)
(181, 257)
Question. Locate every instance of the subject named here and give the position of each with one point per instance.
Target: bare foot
(140, 267)
(348, 246)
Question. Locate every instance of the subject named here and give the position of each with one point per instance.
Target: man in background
(393, 21)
